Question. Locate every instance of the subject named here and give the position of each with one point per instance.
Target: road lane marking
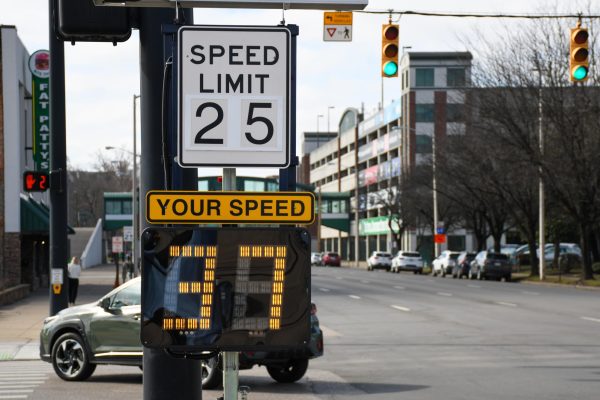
(531, 293)
(474, 286)
(363, 281)
(352, 296)
(444, 294)
(339, 277)
(503, 303)
(324, 289)
(405, 309)
(9, 391)
(399, 287)
(328, 332)
(14, 396)
(591, 319)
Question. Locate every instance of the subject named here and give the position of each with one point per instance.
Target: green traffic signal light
(390, 68)
(580, 73)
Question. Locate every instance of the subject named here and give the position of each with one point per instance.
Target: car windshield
(332, 254)
(497, 256)
(454, 256)
(407, 254)
(383, 255)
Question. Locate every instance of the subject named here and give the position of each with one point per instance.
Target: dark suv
(77, 339)
(488, 264)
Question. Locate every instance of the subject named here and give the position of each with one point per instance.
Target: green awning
(35, 217)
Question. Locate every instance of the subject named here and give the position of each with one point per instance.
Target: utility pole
(542, 204)
(134, 195)
(58, 169)
(165, 377)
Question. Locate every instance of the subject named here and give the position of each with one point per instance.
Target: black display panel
(228, 289)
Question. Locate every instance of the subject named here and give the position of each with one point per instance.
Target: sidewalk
(21, 322)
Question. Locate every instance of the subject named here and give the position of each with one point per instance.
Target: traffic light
(82, 21)
(390, 34)
(579, 62)
(35, 181)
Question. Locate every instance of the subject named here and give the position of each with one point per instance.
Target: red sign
(35, 181)
(440, 238)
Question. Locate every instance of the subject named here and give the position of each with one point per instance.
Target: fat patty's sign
(39, 65)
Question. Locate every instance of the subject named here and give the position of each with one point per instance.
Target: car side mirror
(105, 303)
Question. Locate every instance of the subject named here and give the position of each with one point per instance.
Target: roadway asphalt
(404, 336)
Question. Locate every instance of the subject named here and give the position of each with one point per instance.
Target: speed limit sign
(234, 96)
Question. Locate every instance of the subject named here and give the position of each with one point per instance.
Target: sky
(101, 79)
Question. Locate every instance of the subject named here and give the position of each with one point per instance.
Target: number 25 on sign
(233, 95)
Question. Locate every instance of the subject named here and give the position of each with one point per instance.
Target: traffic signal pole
(165, 377)
(58, 166)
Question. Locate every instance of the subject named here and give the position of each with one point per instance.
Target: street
(392, 336)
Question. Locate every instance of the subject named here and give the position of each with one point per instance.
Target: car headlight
(50, 319)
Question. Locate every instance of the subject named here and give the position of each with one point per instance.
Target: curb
(563, 285)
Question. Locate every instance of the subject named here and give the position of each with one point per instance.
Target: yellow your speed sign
(190, 207)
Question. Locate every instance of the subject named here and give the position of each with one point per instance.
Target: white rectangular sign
(56, 278)
(234, 96)
(128, 233)
(117, 244)
(277, 4)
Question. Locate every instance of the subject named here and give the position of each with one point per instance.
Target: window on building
(203, 185)
(127, 207)
(272, 186)
(254, 186)
(455, 77)
(423, 144)
(424, 112)
(455, 113)
(113, 207)
(424, 77)
(335, 206)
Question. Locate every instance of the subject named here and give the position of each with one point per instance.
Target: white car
(444, 263)
(379, 260)
(316, 259)
(407, 261)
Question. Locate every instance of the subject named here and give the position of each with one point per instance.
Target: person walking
(74, 269)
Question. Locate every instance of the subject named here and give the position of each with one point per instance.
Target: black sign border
(240, 28)
(229, 194)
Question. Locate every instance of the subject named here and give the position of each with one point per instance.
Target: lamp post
(329, 109)
(136, 234)
(318, 136)
(542, 202)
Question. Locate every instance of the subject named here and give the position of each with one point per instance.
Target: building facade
(369, 156)
(24, 220)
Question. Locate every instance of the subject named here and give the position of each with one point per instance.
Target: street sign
(117, 244)
(337, 27)
(190, 207)
(277, 4)
(128, 233)
(439, 238)
(228, 289)
(234, 96)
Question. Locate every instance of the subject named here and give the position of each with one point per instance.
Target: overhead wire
(478, 15)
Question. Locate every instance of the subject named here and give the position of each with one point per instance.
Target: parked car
(316, 259)
(444, 263)
(463, 264)
(572, 249)
(107, 331)
(407, 261)
(379, 260)
(488, 264)
(332, 259)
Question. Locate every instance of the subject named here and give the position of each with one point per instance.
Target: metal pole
(134, 197)
(165, 377)
(58, 165)
(319, 211)
(542, 211)
(230, 358)
(436, 250)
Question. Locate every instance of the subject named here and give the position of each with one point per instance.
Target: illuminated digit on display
(203, 288)
(244, 287)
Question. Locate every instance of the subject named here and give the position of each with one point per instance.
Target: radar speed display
(227, 289)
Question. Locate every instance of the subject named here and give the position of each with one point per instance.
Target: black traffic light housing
(82, 21)
(579, 62)
(35, 181)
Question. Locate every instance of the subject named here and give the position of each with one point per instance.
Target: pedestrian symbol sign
(337, 27)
